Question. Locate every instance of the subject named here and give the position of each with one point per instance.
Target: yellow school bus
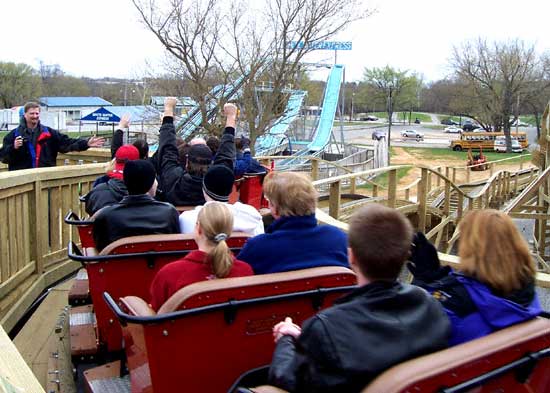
(484, 140)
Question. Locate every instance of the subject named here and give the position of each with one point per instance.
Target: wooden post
(334, 200)
(314, 169)
(39, 231)
(491, 169)
(353, 185)
(374, 190)
(422, 200)
(407, 193)
(454, 175)
(447, 202)
(468, 174)
(392, 188)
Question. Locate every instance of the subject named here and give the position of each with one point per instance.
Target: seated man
(294, 240)
(216, 186)
(376, 326)
(137, 213)
(182, 186)
(112, 191)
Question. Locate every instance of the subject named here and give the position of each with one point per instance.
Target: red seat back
(85, 230)
(133, 275)
(209, 333)
(443, 371)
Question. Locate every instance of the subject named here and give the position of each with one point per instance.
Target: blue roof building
(56, 102)
(73, 107)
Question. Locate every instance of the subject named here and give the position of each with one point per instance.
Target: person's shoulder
(244, 208)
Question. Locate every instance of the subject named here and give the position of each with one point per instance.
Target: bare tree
(246, 43)
(393, 86)
(498, 74)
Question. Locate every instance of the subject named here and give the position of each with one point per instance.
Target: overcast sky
(105, 38)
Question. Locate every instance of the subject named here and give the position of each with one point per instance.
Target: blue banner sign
(321, 45)
(102, 115)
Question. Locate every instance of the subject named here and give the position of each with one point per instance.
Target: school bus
(484, 140)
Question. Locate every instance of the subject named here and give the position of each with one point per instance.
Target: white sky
(105, 38)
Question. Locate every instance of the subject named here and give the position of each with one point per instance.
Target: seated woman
(212, 260)
(294, 240)
(494, 285)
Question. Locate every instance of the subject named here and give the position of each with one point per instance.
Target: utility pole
(390, 115)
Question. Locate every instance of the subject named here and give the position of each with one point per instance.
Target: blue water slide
(330, 104)
(323, 129)
(277, 133)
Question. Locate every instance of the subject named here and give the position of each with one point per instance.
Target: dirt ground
(402, 156)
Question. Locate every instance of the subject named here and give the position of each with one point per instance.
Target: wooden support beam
(422, 200)
(334, 200)
(392, 187)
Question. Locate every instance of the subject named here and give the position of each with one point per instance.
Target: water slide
(272, 141)
(323, 130)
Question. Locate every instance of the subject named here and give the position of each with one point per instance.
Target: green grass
(424, 118)
(383, 178)
(436, 153)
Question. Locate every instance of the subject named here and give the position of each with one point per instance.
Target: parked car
(369, 118)
(469, 126)
(500, 145)
(412, 134)
(377, 135)
(449, 122)
(453, 130)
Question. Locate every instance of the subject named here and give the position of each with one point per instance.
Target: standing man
(33, 145)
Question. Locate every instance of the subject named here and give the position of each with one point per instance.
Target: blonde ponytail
(216, 221)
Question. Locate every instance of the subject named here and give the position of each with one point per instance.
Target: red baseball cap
(124, 154)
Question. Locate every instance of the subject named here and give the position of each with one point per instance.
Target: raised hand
(96, 141)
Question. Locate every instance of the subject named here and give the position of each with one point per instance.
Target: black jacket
(344, 347)
(49, 142)
(105, 194)
(134, 215)
(180, 187)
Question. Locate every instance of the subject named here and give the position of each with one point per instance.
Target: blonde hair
(216, 222)
(492, 250)
(291, 193)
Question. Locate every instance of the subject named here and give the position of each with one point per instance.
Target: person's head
(197, 141)
(143, 148)
(214, 226)
(140, 177)
(217, 183)
(379, 241)
(32, 114)
(124, 154)
(492, 250)
(213, 142)
(199, 158)
(290, 194)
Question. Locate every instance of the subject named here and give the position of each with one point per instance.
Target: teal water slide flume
(323, 131)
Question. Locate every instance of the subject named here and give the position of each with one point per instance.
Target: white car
(412, 134)
(453, 130)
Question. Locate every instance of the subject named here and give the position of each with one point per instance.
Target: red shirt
(188, 270)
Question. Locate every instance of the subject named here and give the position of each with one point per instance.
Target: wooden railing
(33, 237)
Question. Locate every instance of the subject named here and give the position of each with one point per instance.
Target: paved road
(432, 138)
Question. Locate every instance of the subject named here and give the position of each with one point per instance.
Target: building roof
(180, 101)
(73, 101)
